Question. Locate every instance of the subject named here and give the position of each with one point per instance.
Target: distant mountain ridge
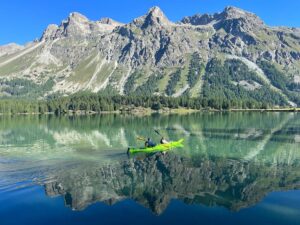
(154, 56)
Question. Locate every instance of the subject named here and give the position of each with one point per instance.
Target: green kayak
(158, 148)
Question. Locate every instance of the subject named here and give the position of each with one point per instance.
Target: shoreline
(139, 111)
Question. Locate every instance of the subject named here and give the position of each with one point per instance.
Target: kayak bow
(159, 147)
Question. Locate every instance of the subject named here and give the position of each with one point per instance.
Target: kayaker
(149, 143)
(163, 141)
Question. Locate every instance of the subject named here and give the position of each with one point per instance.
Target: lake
(234, 168)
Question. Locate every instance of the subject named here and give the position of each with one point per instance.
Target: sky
(22, 21)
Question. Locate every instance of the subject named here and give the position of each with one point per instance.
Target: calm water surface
(235, 168)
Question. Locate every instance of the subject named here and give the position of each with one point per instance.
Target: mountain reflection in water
(232, 160)
(154, 180)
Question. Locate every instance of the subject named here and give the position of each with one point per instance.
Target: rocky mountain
(154, 56)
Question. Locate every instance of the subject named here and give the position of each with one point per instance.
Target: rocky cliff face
(80, 54)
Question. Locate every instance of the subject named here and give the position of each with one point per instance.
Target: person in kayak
(163, 141)
(149, 143)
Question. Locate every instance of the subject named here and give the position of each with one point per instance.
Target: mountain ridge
(106, 55)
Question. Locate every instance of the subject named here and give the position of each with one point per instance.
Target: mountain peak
(75, 25)
(154, 17)
(76, 16)
(234, 9)
(156, 11)
(157, 14)
(231, 12)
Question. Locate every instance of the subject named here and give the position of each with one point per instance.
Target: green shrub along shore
(97, 103)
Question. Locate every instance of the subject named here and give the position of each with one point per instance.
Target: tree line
(99, 103)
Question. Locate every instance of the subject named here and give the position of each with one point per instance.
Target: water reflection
(231, 160)
(154, 180)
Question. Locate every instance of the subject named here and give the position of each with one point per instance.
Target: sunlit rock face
(80, 54)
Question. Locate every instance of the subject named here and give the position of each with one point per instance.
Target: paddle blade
(141, 138)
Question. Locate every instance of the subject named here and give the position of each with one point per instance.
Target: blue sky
(24, 20)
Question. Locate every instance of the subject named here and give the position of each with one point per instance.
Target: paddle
(156, 131)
